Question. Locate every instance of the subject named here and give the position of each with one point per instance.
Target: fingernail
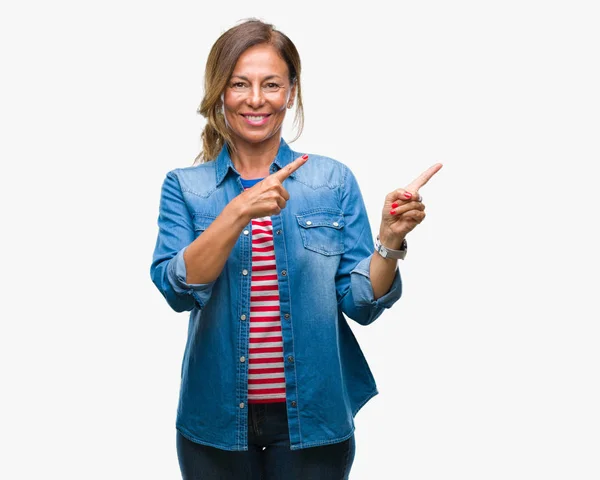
(407, 194)
(394, 205)
(305, 156)
(392, 212)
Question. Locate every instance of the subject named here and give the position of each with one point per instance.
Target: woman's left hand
(403, 210)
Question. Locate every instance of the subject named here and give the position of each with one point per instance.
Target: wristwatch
(390, 253)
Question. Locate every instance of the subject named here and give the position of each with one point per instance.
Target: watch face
(379, 247)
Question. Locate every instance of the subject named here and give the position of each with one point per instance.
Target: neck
(254, 160)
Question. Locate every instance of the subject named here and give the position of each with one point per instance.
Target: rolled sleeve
(177, 275)
(363, 290)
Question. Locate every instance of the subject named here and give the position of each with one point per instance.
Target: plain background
(488, 367)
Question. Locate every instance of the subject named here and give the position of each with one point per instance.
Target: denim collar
(224, 163)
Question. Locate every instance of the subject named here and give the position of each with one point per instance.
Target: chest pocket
(322, 230)
(201, 222)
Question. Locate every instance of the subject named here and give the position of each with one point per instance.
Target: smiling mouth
(256, 119)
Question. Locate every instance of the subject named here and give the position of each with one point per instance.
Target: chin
(256, 137)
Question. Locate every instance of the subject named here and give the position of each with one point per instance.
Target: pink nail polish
(407, 194)
(394, 205)
(305, 156)
(392, 212)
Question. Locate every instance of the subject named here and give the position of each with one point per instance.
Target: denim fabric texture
(269, 456)
(323, 249)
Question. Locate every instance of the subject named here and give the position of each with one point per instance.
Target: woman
(269, 249)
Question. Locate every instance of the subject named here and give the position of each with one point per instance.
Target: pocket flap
(321, 218)
(202, 221)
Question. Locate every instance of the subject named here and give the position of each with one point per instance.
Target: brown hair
(222, 58)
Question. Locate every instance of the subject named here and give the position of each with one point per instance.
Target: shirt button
(335, 224)
(308, 222)
(242, 359)
(242, 405)
(293, 403)
(286, 315)
(278, 232)
(243, 317)
(290, 359)
(244, 272)
(246, 232)
(284, 272)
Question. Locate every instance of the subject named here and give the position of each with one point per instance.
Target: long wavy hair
(221, 62)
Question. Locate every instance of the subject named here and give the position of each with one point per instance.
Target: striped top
(266, 380)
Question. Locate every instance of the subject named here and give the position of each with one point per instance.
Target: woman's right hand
(268, 197)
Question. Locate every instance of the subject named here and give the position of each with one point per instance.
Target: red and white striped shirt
(266, 380)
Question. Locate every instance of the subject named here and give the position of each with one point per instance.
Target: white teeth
(253, 118)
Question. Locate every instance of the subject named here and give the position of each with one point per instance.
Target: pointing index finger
(286, 171)
(422, 179)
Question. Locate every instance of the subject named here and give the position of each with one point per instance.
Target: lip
(264, 120)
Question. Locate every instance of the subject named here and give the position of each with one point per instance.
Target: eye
(238, 85)
(271, 87)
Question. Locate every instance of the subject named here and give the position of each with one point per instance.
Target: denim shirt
(323, 248)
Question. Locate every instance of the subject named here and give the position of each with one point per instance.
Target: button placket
(242, 377)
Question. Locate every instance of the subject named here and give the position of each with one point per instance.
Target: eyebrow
(270, 77)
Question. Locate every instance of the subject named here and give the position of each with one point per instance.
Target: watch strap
(386, 252)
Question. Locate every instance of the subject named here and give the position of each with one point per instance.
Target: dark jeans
(269, 456)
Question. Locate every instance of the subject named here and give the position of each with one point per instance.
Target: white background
(488, 367)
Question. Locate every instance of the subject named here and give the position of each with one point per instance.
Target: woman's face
(257, 95)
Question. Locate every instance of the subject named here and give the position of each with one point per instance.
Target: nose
(255, 97)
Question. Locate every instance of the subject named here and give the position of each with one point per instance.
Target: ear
(291, 96)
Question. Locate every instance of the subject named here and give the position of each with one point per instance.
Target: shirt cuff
(362, 290)
(177, 275)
